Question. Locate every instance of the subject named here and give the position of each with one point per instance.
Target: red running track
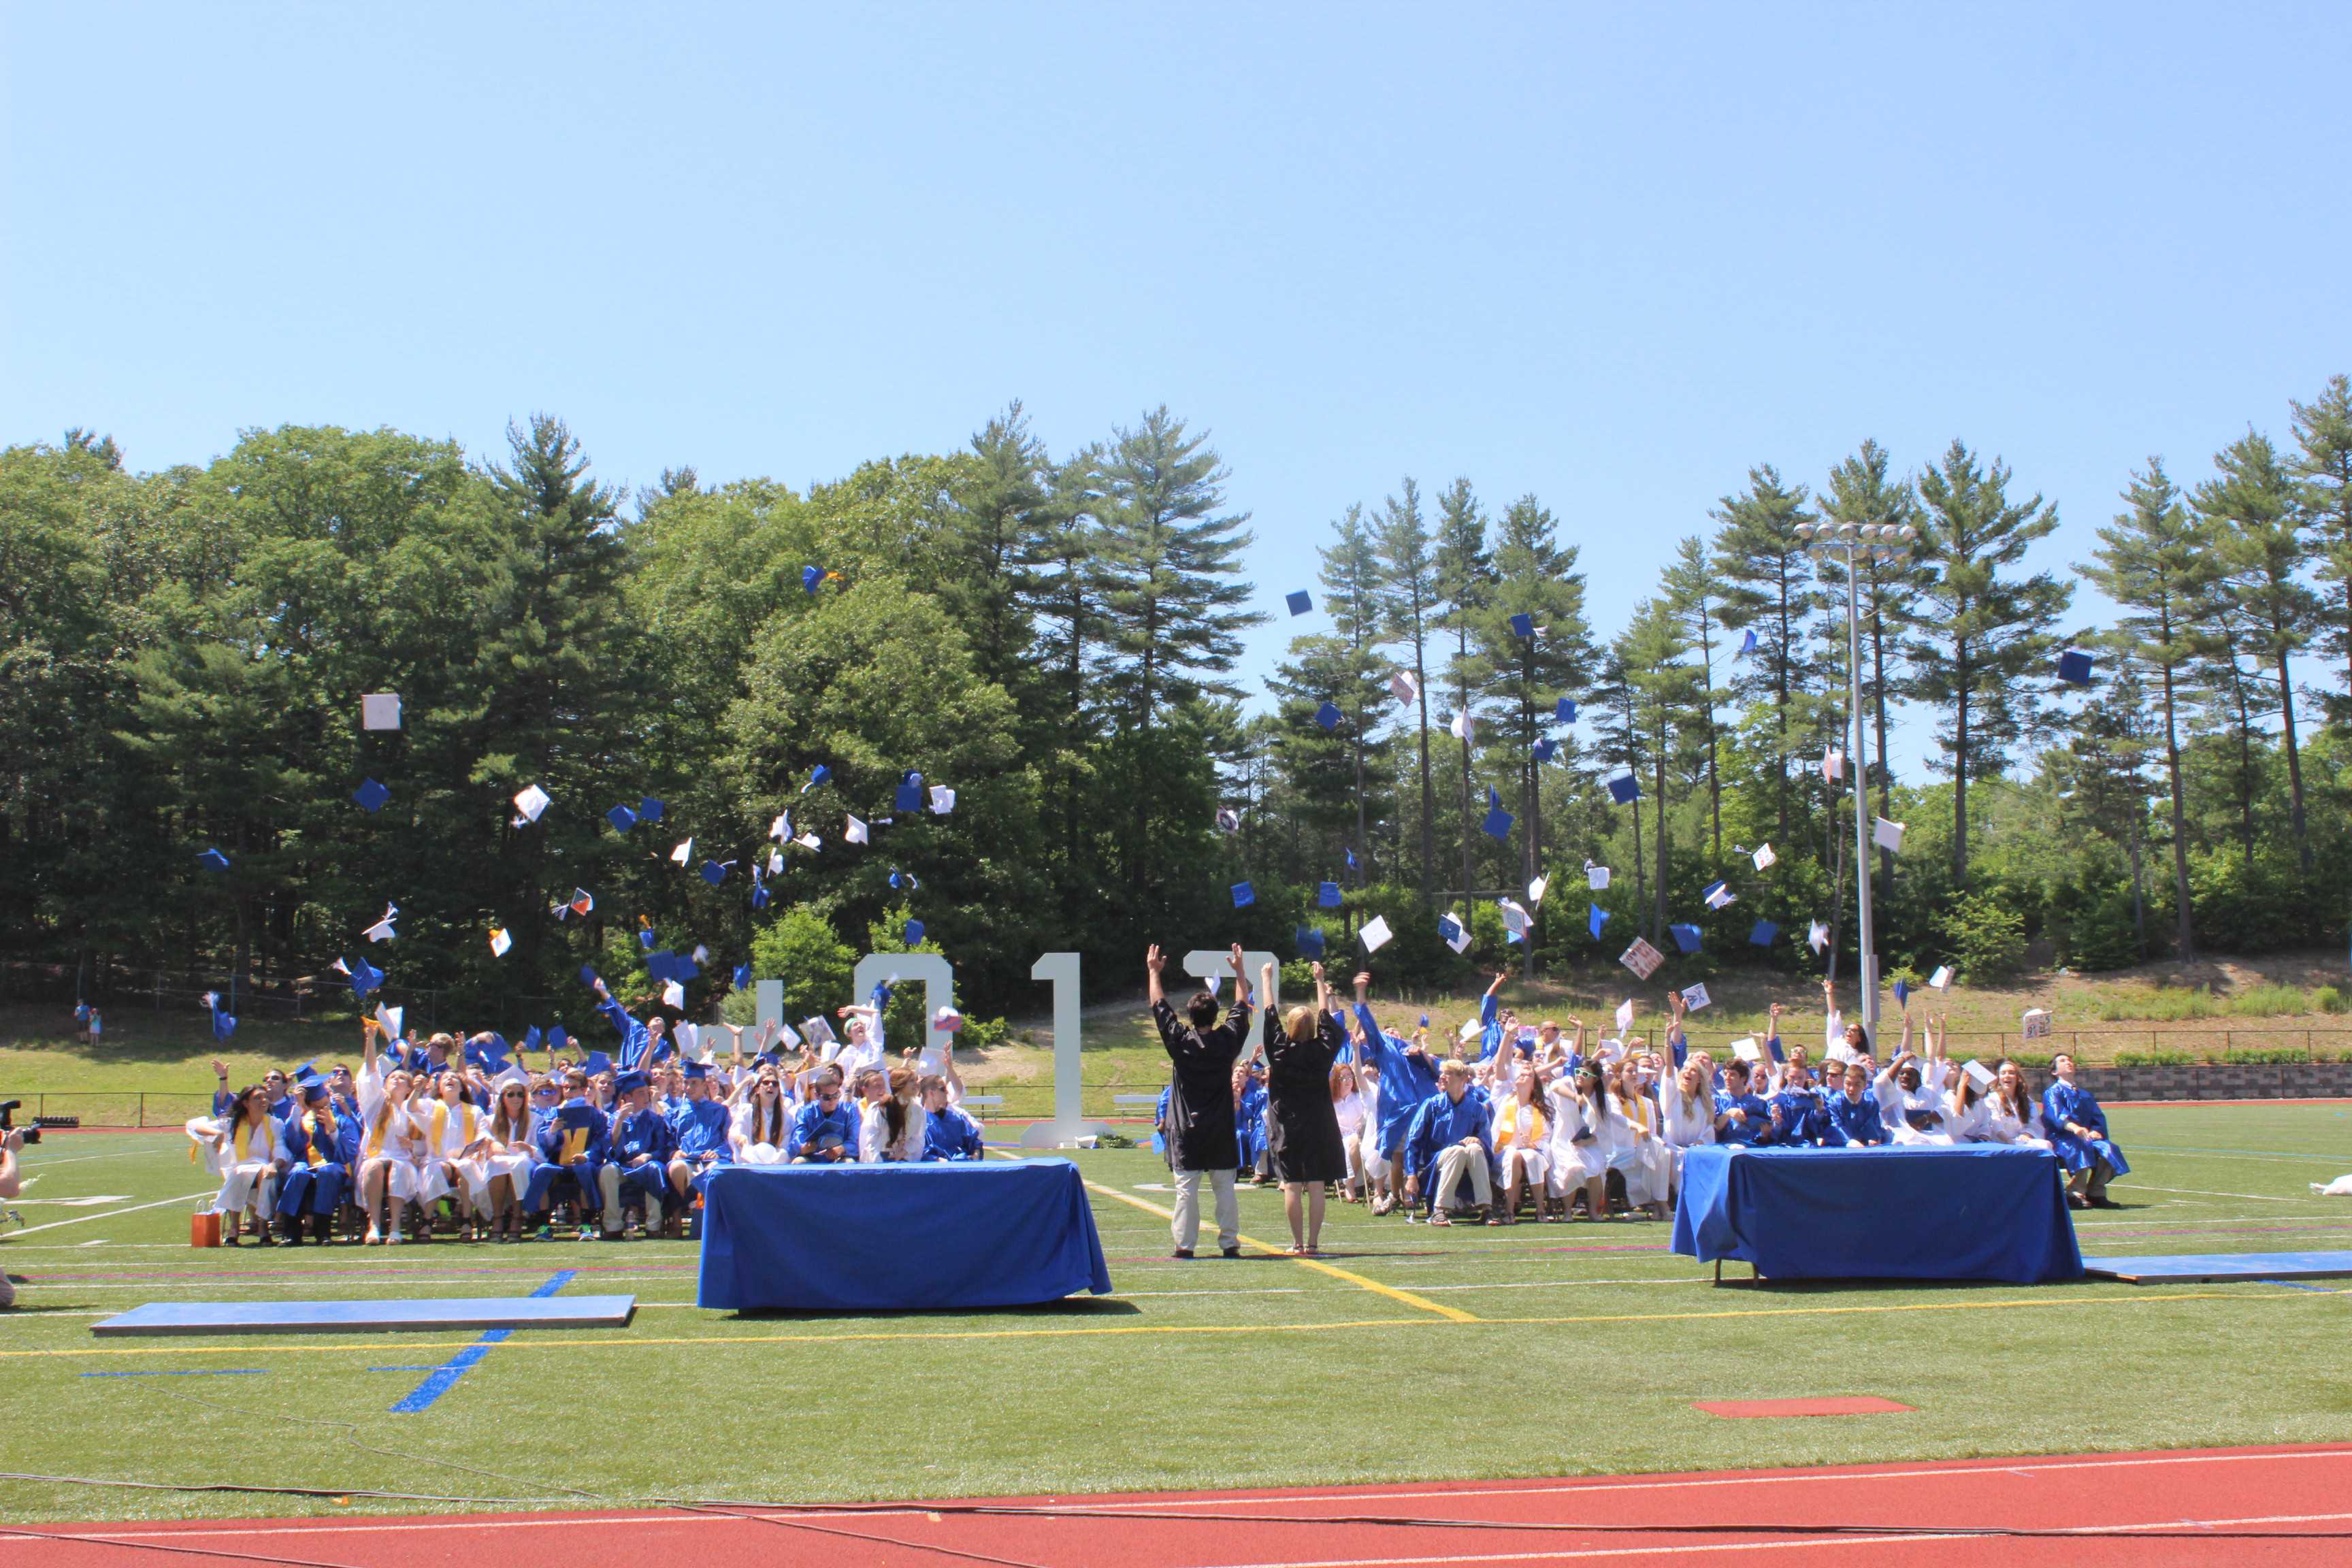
(2261, 1507)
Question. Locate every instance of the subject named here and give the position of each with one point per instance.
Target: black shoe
(1229, 1251)
(2077, 1201)
(1183, 1252)
(2105, 1202)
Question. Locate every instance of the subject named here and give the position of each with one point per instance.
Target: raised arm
(1153, 962)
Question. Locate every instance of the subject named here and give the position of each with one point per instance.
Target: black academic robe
(1306, 1144)
(1201, 1110)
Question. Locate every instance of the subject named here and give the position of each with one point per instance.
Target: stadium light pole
(1851, 543)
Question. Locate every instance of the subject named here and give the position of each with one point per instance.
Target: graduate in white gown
(1522, 1143)
(763, 1118)
(2012, 1113)
(1579, 1153)
(453, 1129)
(501, 1166)
(391, 1149)
(247, 1148)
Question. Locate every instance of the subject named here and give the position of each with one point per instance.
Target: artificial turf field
(1412, 1355)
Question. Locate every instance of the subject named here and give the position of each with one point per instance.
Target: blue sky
(1611, 256)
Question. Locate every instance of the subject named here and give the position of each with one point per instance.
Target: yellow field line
(243, 1345)
(1453, 1314)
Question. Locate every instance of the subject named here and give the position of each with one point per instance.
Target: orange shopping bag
(204, 1229)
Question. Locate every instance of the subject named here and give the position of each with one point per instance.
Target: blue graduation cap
(1566, 709)
(649, 810)
(630, 1083)
(657, 965)
(588, 975)
(365, 977)
(556, 1038)
(597, 1062)
(914, 935)
(531, 1038)
(213, 860)
(1328, 716)
(1498, 822)
(2074, 667)
(1545, 747)
(1624, 791)
(1326, 896)
(1762, 933)
(715, 871)
(1300, 603)
(758, 891)
(1351, 859)
(1746, 644)
(1686, 937)
(1450, 928)
(911, 792)
(645, 938)
(1902, 992)
(818, 774)
(1595, 921)
(742, 976)
(811, 576)
(1243, 895)
(490, 1055)
(1310, 941)
(622, 819)
(222, 1025)
(371, 796)
(1523, 626)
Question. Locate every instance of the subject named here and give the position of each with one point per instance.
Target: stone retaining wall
(2233, 1080)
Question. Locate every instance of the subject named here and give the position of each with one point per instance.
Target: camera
(8, 1121)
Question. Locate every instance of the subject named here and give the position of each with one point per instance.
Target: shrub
(2328, 999)
(803, 951)
(981, 1034)
(2156, 1058)
(2262, 1001)
(2282, 1056)
(1986, 937)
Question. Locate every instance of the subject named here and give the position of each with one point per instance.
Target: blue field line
(404, 1369)
(2321, 1290)
(192, 1372)
(445, 1377)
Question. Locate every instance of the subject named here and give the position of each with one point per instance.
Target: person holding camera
(10, 1185)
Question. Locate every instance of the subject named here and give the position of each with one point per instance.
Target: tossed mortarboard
(1228, 820)
(1686, 937)
(1498, 822)
(390, 1017)
(914, 933)
(903, 879)
(365, 977)
(943, 800)
(1762, 933)
(1310, 941)
(582, 900)
(683, 854)
(1376, 934)
(1523, 626)
(1817, 936)
(2074, 667)
(811, 576)
(1243, 895)
(1462, 726)
(649, 810)
(715, 871)
(223, 1026)
(1565, 710)
(759, 890)
(1641, 959)
(742, 976)
(817, 775)
(501, 941)
(1764, 858)
(622, 819)
(1545, 747)
(1595, 919)
(1456, 935)
(910, 795)
(1326, 896)
(1696, 997)
(1624, 790)
(530, 803)
(371, 796)
(645, 938)
(598, 1063)
(1746, 644)
(383, 930)
(556, 1038)
(380, 710)
(1902, 991)
(1624, 1014)
(1329, 715)
(855, 832)
(1300, 603)
(1405, 688)
(1538, 888)
(588, 975)
(1942, 979)
(531, 1038)
(1596, 876)
(1719, 896)
(1832, 765)
(213, 860)
(1887, 834)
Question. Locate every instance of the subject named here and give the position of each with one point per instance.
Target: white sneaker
(395, 1238)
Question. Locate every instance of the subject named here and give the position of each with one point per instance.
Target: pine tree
(1465, 582)
(994, 533)
(2323, 467)
(2157, 561)
(1861, 491)
(1350, 577)
(1536, 576)
(1977, 634)
(1691, 589)
(1768, 588)
(1663, 690)
(1408, 600)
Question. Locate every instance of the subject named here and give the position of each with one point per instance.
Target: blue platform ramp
(372, 1317)
(2205, 1268)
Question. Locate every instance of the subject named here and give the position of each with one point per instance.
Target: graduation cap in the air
(742, 976)
(1523, 627)
(364, 977)
(1375, 935)
(1498, 821)
(1817, 935)
(2074, 667)
(1328, 716)
(223, 1026)
(371, 796)
(1456, 935)
(1300, 603)
(530, 803)
(1327, 895)
(1595, 919)
(1310, 941)
(1405, 688)
(856, 831)
(380, 710)
(1624, 791)
(383, 930)
(1887, 834)
(1719, 896)
(622, 819)
(588, 975)
(488, 1054)
(597, 1064)
(500, 940)
(909, 796)
(914, 934)
(1565, 710)
(531, 1038)
(1762, 933)
(1596, 876)
(1545, 747)
(683, 854)
(817, 775)
(1228, 820)
(645, 938)
(1686, 937)
(1243, 895)
(759, 889)
(715, 871)
(903, 879)
(943, 800)
(649, 810)
(1902, 991)
(213, 860)
(556, 1038)
(1746, 644)
(813, 576)
(1462, 726)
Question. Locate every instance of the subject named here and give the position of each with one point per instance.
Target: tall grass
(2180, 1004)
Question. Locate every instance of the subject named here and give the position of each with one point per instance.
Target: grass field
(1536, 1351)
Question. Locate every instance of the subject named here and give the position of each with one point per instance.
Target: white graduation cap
(1624, 1014)
(809, 841)
(2035, 1023)
(1376, 933)
(1887, 834)
(775, 862)
(1746, 1049)
(1454, 930)
(1405, 688)
(1538, 889)
(1765, 858)
(1696, 997)
(943, 800)
(1462, 727)
(1597, 876)
(1641, 959)
(382, 931)
(782, 828)
(1515, 919)
(1979, 1075)
(1228, 819)
(528, 802)
(787, 1033)
(380, 710)
(1833, 764)
(500, 942)
(390, 1018)
(854, 833)
(1942, 979)
(818, 1030)
(1718, 895)
(674, 994)
(683, 854)
(1818, 937)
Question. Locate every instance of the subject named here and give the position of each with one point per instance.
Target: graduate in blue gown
(1852, 1113)
(2077, 1130)
(1249, 1119)
(1798, 1118)
(952, 1133)
(1741, 1116)
(1490, 1019)
(1452, 1141)
(1407, 1075)
(702, 1125)
(824, 1130)
(640, 1043)
(322, 1142)
(643, 1142)
(577, 1145)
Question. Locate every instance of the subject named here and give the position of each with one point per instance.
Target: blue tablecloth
(860, 1238)
(1975, 1211)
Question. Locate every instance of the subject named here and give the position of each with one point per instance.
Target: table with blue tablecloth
(866, 1238)
(1972, 1211)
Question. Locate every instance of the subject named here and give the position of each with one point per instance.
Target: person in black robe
(1304, 1146)
(1201, 1133)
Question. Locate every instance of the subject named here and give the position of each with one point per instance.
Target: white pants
(1187, 1227)
(1456, 1160)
